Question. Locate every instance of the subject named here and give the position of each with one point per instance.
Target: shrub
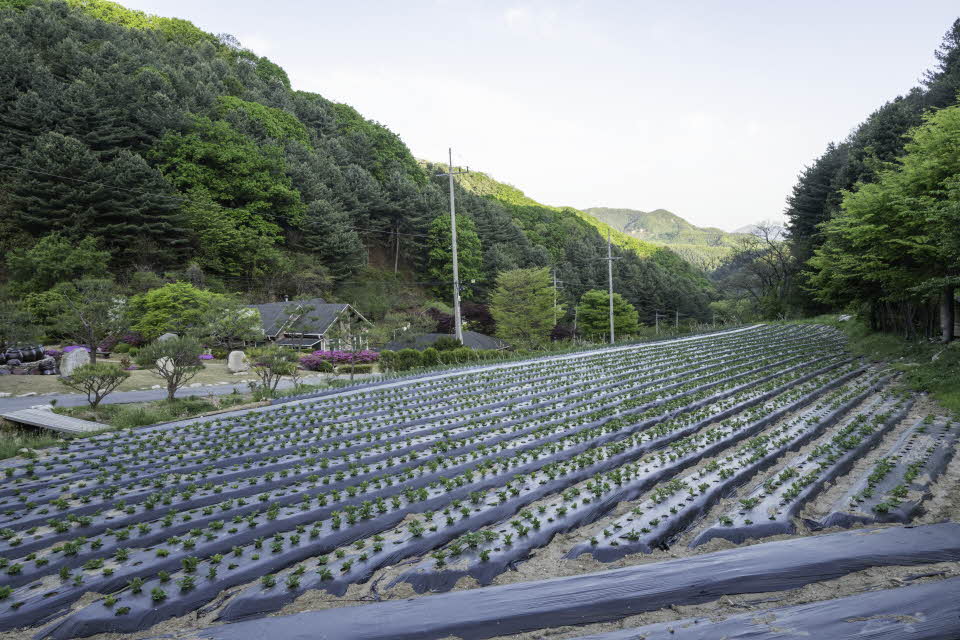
(97, 381)
(314, 362)
(355, 368)
(430, 357)
(408, 359)
(388, 359)
(447, 343)
(107, 344)
(122, 347)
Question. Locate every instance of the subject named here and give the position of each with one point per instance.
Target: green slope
(704, 247)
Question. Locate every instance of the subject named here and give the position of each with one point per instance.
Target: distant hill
(704, 247)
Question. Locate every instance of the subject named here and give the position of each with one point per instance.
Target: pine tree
(57, 189)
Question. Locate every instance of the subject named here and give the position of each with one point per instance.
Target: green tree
(96, 381)
(469, 254)
(92, 310)
(17, 326)
(178, 307)
(228, 324)
(242, 199)
(176, 360)
(896, 241)
(55, 259)
(593, 315)
(522, 306)
(270, 364)
(58, 190)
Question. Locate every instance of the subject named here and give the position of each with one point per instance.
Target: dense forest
(143, 149)
(874, 222)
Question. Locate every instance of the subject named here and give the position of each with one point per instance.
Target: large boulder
(166, 336)
(72, 360)
(237, 362)
(165, 365)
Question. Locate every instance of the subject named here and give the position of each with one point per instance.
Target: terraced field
(554, 467)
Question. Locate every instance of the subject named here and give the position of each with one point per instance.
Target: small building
(314, 324)
(471, 339)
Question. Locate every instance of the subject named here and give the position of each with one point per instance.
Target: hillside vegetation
(704, 247)
(184, 155)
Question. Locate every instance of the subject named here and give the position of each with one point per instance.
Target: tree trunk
(946, 314)
(93, 348)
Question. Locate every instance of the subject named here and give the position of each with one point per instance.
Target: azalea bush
(74, 347)
(326, 360)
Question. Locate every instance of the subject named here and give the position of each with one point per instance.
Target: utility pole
(458, 323)
(396, 254)
(555, 283)
(610, 260)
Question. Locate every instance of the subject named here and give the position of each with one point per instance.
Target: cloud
(530, 21)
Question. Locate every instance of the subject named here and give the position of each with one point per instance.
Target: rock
(844, 317)
(166, 336)
(165, 364)
(194, 385)
(5, 395)
(27, 394)
(72, 360)
(237, 362)
(156, 386)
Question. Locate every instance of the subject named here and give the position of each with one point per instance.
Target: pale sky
(708, 109)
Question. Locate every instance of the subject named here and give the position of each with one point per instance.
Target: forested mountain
(870, 220)
(186, 156)
(704, 247)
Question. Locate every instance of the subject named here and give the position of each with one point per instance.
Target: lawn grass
(214, 371)
(930, 367)
(141, 414)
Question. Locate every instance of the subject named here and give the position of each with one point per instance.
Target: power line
(99, 184)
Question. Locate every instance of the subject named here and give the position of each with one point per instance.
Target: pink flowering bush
(323, 360)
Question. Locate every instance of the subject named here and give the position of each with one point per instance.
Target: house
(313, 324)
(471, 339)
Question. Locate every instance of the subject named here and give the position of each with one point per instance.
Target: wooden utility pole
(457, 321)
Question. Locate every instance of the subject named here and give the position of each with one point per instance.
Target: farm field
(498, 475)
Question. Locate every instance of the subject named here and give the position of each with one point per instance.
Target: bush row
(407, 359)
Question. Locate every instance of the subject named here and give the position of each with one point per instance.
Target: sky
(707, 109)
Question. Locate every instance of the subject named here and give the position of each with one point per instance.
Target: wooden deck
(47, 419)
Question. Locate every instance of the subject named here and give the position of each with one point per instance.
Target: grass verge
(930, 367)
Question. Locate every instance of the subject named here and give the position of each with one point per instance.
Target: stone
(237, 362)
(5, 395)
(844, 317)
(72, 360)
(165, 364)
(166, 336)
(29, 394)
(196, 384)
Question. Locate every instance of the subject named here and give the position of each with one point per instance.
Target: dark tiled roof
(276, 319)
(471, 339)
